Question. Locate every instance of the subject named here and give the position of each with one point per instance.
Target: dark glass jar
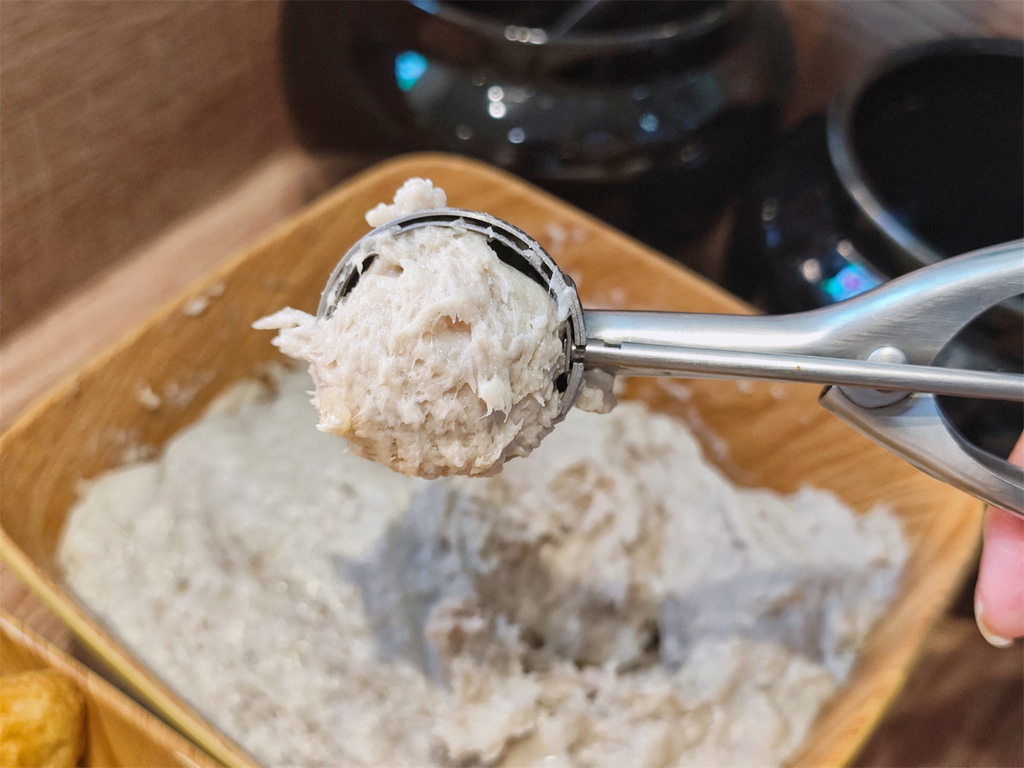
(648, 114)
(920, 159)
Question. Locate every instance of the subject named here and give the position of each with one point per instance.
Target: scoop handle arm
(917, 313)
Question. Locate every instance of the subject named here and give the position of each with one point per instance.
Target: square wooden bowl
(767, 434)
(119, 732)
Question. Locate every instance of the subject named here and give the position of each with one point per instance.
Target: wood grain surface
(49, 347)
(119, 732)
(119, 117)
(122, 116)
(764, 435)
(101, 149)
(963, 706)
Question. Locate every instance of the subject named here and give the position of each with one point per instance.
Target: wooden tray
(119, 731)
(767, 434)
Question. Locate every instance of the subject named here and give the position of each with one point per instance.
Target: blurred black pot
(649, 114)
(919, 160)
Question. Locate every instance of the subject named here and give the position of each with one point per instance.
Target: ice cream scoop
(874, 352)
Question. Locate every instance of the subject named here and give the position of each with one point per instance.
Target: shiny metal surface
(915, 315)
(697, 362)
(853, 170)
(876, 398)
(856, 347)
(512, 245)
(916, 430)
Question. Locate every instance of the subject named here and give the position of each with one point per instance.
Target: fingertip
(999, 596)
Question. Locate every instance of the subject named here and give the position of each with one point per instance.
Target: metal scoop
(874, 352)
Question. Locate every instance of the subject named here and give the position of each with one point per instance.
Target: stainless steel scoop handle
(887, 338)
(637, 359)
(903, 325)
(919, 312)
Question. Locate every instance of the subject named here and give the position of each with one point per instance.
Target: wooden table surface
(964, 706)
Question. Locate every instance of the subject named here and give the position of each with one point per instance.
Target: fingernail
(993, 639)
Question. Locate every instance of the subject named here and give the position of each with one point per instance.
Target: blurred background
(141, 143)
